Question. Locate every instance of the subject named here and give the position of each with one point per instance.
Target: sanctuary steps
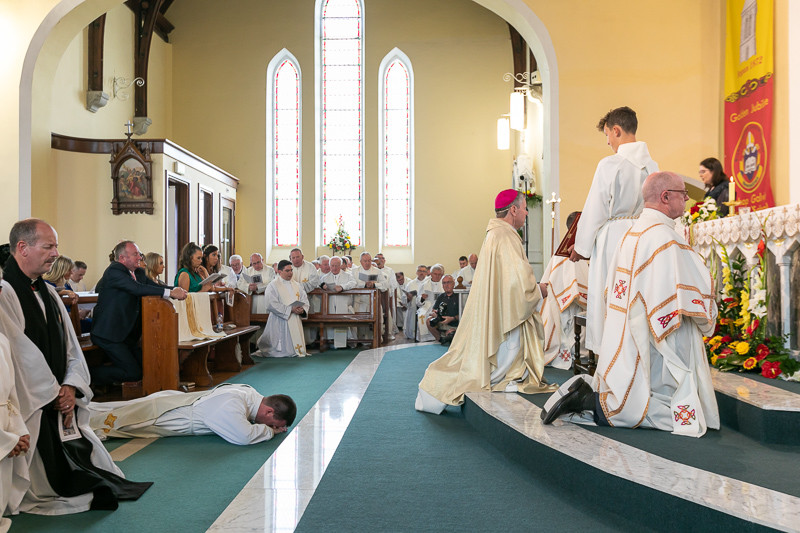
(738, 478)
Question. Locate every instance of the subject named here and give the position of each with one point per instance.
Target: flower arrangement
(740, 340)
(700, 212)
(340, 242)
(532, 199)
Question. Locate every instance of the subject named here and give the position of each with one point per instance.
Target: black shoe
(572, 402)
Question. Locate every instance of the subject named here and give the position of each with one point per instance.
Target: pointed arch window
(339, 95)
(396, 145)
(283, 137)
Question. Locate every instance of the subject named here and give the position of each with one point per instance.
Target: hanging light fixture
(503, 135)
(517, 106)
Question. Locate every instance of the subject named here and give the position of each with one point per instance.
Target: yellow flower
(714, 359)
(740, 321)
(749, 363)
(742, 348)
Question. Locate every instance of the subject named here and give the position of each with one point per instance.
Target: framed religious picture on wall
(131, 174)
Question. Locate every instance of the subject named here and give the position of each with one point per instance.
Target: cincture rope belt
(11, 410)
(612, 219)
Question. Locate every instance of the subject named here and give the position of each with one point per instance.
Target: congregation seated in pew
(117, 325)
(426, 295)
(154, 267)
(254, 281)
(443, 318)
(336, 281)
(76, 282)
(367, 276)
(411, 290)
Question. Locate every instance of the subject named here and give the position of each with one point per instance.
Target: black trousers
(126, 359)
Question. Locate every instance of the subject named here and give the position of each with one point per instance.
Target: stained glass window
(284, 136)
(340, 122)
(396, 148)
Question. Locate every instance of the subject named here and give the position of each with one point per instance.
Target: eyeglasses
(684, 192)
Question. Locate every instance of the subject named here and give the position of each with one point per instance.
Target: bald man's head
(665, 192)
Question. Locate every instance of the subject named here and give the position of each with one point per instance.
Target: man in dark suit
(117, 317)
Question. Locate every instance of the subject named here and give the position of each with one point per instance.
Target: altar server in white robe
(613, 203)
(237, 413)
(52, 383)
(259, 278)
(468, 272)
(307, 275)
(337, 280)
(360, 272)
(567, 284)
(14, 438)
(388, 273)
(652, 369)
(287, 302)
(401, 298)
(425, 298)
(412, 289)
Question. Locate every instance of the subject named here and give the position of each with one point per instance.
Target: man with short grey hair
(52, 382)
(652, 369)
(427, 294)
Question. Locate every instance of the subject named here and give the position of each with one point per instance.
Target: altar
(740, 235)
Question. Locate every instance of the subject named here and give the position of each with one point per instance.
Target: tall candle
(732, 191)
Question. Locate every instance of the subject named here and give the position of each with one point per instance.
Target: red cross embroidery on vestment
(684, 415)
(701, 303)
(666, 319)
(620, 289)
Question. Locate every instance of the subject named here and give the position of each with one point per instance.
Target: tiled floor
(276, 497)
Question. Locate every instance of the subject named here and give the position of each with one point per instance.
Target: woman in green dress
(191, 271)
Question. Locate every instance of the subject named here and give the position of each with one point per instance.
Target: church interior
(192, 85)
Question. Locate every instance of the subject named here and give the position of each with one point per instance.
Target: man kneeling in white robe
(567, 285)
(237, 413)
(652, 369)
(287, 302)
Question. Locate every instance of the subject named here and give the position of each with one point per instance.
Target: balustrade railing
(741, 234)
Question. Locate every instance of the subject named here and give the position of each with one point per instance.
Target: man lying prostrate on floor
(652, 369)
(237, 413)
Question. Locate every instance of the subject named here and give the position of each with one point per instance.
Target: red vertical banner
(749, 100)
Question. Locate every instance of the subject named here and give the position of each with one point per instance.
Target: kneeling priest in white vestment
(287, 302)
(69, 470)
(14, 437)
(567, 284)
(237, 413)
(498, 343)
(652, 369)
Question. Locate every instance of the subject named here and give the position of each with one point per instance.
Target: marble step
(659, 493)
(759, 410)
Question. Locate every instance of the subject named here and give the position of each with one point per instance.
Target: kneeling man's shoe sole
(571, 402)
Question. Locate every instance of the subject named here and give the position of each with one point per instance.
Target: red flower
(694, 209)
(771, 369)
(752, 327)
(761, 248)
(725, 352)
(726, 339)
(761, 352)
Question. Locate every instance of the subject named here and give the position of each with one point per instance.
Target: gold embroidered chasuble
(503, 297)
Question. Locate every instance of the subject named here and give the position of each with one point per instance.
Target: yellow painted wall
(18, 23)
(459, 53)
(670, 71)
(81, 208)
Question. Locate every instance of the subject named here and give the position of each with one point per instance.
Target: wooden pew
(378, 300)
(166, 362)
(93, 355)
